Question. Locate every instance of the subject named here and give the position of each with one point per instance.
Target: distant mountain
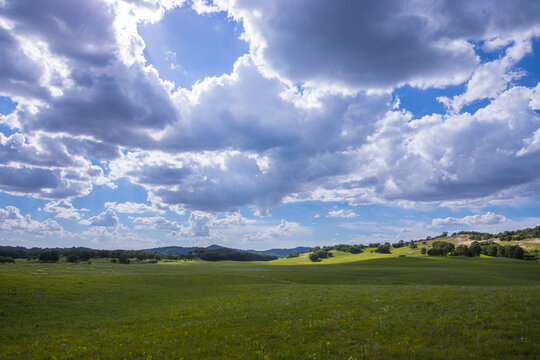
(172, 250)
(283, 252)
(185, 250)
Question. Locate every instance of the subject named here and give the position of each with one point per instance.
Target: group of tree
(319, 254)
(76, 254)
(401, 243)
(353, 249)
(229, 254)
(512, 235)
(125, 256)
(490, 248)
(383, 249)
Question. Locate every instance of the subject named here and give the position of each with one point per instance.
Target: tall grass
(414, 308)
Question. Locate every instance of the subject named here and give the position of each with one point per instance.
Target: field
(362, 306)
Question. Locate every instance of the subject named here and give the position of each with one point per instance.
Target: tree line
(490, 248)
(76, 254)
(512, 235)
(317, 253)
(229, 254)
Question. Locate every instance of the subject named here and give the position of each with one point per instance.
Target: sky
(266, 124)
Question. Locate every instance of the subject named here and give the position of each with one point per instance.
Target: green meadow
(365, 306)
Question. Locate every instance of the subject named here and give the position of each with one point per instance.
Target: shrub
(383, 249)
(293, 255)
(123, 259)
(475, 249)
(441, 248)
(49, 256)
(6, 259)
(72, 258)
(461, 250)
(423, 251)
(313, 257)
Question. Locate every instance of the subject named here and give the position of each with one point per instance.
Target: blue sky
(261, 124)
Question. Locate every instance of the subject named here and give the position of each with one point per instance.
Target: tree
(313, 257)
(492, 250)
(423, 251)
(72, 258)
(123, 259)
(355, 249)
(383, 249)
(475, 248)
(49, 256)
(461, 250)
(441, 248)
(6, 259)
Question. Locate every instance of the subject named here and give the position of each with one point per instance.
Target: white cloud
(471, 220)
(342, 214)
(199, 225)
(490, 79)
(156, 223)
(132, 207)
(284, 229)
(63, 209)
(107, 219)
(301, 117)
(11, 219)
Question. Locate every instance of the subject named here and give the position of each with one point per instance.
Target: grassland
(363, 306)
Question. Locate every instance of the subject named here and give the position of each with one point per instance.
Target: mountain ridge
(281, 252)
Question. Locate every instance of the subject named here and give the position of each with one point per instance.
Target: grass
(368, 306)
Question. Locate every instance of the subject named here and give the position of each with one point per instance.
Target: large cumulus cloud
(456, 156)
(42, 167)
(382, 44)
(301, 117)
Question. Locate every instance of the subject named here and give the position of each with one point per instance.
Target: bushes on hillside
(443, 248)
(319, 254)
(383, 249)
(353, 249)
(440, 248)
(503, 236)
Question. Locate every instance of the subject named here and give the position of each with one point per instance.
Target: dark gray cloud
(377, 44)
(122, 106)
(77, 30)
(252, 139)
(91, 149)
(19, 74)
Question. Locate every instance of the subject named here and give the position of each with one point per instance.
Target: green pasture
(365, 306)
